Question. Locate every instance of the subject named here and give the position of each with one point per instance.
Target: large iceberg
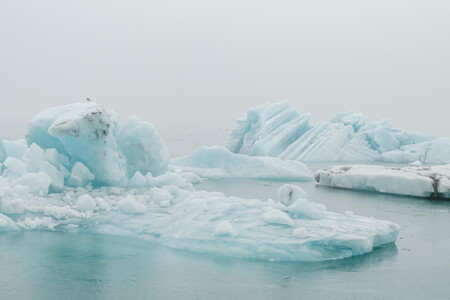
(218, 162)
(280, 130)
(83, 171)
(291, 229)
(414, 180)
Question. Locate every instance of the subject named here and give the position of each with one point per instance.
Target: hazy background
(193, 67)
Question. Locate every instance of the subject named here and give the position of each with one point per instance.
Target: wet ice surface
(85, 266)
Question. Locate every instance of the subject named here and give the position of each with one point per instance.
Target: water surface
(56, 265)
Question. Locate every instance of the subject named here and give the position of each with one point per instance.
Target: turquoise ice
(83, 171)
(281, 130)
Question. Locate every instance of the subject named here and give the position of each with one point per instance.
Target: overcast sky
(199, 65)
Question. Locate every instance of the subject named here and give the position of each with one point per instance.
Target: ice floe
(413, 180)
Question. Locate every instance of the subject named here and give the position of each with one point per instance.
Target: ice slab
(218, 162)
(203, 222)
(420, 181)
(280, 130)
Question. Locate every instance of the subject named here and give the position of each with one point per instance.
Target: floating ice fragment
(288, 194)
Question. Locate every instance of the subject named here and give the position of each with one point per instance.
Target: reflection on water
(55, 265)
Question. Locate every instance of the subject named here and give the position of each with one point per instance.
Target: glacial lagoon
(46, 265)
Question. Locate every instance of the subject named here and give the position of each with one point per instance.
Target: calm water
(55, 265)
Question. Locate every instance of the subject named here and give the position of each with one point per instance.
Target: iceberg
(81, 170)
(218, 162)
(87, 133)
(206, 222)
(280, 130)
(413, 180)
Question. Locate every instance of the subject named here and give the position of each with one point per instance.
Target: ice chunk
(80, 175)
(280, 130)
(410, 180)
(218, 162)
(129, 205)
(143, 148)
(288, 194)
(85, 203)
(35, 183)
(14, 168)
(14, 149)
(138, 180)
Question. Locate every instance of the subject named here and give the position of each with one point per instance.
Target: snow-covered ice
(413, 180)
(83, 171)
(218, 162)
(280, 130)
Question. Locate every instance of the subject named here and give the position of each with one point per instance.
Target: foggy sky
(196, 66)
